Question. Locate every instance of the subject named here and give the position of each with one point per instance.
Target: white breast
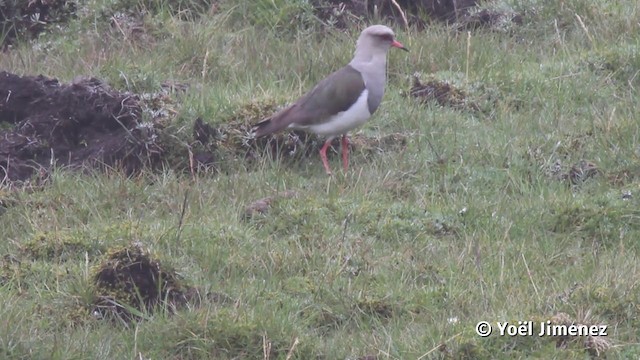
(344, 121)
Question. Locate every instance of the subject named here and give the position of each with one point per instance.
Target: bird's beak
(397, 44)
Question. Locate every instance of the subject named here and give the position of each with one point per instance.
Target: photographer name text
(541, 329)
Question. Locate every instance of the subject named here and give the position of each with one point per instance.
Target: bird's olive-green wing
(334, 94)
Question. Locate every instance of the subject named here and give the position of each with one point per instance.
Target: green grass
(467, 222)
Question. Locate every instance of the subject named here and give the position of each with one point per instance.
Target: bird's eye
(386, 37)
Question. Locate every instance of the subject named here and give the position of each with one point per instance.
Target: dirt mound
(452, 90)
(85, 123)
(441, 92)
(131, 282)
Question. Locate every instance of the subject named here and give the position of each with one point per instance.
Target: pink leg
(345, 152)
(323, 156)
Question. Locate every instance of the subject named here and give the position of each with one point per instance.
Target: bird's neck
(367, 55)
(367, 60)
(373, 67)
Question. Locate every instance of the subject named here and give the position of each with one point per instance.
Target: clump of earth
(44, 123)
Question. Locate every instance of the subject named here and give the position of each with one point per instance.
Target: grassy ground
(407, 251)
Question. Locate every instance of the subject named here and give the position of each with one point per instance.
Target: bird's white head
(375, 40)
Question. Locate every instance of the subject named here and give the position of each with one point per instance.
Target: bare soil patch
(84, 123)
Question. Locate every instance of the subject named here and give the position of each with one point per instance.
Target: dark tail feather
(263, 128)
(271, 125)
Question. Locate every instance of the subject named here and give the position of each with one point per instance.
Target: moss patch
(59, 246)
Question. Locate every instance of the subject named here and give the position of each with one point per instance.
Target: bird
(343, 100)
